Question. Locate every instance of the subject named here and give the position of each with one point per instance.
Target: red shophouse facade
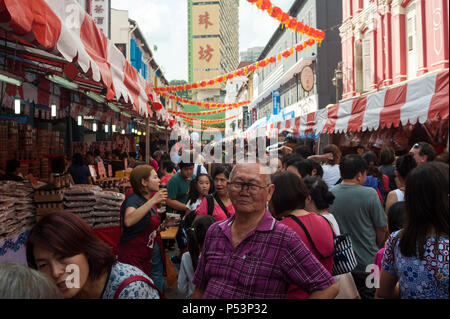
(385, 42)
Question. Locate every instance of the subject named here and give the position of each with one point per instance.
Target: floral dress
(425, 278)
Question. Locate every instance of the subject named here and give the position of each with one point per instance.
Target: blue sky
(164, 23)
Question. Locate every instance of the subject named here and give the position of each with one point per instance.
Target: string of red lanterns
(204, 104)
(191, 119)
(243, 71)
(289, 21)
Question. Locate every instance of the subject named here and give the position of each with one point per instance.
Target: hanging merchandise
(244, 71)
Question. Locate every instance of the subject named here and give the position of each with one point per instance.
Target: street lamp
(338, 75)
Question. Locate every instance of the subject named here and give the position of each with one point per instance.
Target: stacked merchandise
(100, 209)
(3, 144)
(43, 148)
(107, 209)
(13, 138)
(17, 213)
(124, 143)
(57, 143)
(120, 185)
(51, 200)
(27, 142)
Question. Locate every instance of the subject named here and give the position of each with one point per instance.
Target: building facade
(278, 89)
(251, 55)
(213, 40)
(386, 42)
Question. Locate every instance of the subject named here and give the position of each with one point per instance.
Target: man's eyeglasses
(251, 188)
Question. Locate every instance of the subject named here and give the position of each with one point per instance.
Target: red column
(421, 38)
(388, 48)
(357, 7)
(398, 43)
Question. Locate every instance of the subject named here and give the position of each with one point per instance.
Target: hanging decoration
(192, 120)
(229, 108)
(207, 129)
(288, 21)
(243, 71)
(206, 105)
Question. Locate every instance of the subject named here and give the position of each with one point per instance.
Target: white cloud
(164, 24)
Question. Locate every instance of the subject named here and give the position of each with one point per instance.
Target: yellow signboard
(206, 53)
(205, 20)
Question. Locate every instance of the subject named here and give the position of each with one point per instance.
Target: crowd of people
(243, 233)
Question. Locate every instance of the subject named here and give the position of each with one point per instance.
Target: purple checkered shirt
(263, 265)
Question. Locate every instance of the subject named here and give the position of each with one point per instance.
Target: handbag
(344, 260)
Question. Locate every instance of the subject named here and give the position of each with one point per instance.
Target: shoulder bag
(344, 260)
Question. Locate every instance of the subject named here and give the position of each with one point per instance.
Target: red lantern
(276, 12)
(265, 4)
(262, 63)
(203, 83)
(272, 59)
(306, 28)
(188, 86)
(240, 72)
(252, 1)
(292, 23)
(195, 85)
(285, 17)
(300, 26)
(220, 79)
(230, 76)
(299, 47)
(211, 82)
(286, 53)
(251, 68)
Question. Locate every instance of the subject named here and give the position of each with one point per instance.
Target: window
(366, 76)
(411, 42)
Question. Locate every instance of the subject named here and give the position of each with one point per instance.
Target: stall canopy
(63, 28)
(420, 100)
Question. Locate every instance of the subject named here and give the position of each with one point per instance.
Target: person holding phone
(141, 244)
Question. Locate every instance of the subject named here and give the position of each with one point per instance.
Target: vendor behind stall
(80, 172)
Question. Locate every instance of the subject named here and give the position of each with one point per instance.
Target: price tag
(101, 170)
(93, 173)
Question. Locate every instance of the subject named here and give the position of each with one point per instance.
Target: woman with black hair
(79, 171)
(189, 260)
(288, 205)
(319, 200)
(223, 208)
(416, 260)
(403, 166)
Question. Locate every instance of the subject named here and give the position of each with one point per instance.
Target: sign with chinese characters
(205, 20)
(100, 10)
(206, 43)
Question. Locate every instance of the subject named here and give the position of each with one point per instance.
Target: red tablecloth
(111, 236)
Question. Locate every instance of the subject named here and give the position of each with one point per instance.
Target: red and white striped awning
(419, 100)
(63, 28)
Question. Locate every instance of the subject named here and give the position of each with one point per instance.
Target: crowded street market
(315, 168)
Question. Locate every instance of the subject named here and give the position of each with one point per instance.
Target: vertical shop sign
(276, 102)
(100, 10)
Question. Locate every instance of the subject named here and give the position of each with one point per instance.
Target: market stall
(386, 116)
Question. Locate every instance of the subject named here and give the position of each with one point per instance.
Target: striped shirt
(270, 259)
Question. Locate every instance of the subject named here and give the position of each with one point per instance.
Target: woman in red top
(288, 204)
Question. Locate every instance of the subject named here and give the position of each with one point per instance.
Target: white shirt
(331, 174)
(202, 169)
(185, 276)
(193, 206)
(333, 222)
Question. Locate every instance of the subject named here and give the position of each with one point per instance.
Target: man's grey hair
(252, 160)
(20, 282)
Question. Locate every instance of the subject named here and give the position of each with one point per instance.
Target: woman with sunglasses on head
(219, 204)
(62, 246)
(416, 260)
